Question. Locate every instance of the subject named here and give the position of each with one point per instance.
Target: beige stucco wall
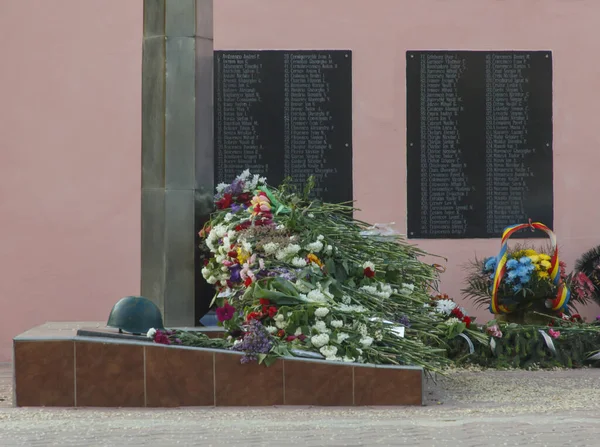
(379, 32)
(70, 141)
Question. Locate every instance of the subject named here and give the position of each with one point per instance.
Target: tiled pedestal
(53, 366)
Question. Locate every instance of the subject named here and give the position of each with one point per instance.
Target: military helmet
(136, 315)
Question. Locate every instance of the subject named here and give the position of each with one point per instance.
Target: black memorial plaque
(285, 114)
(479, 142)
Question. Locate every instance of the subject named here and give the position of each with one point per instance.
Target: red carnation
(264, 301)
(281, 333)
(243, 197)
(369, 273)
(254, 316)
(272, 311)
(232, 254)
(224, 202)
(467, 321)
(248, 281)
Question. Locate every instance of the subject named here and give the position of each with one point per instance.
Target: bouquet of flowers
(303, 278)
(456, 320)
(524, 280)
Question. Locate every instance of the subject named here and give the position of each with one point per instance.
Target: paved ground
(468, 408)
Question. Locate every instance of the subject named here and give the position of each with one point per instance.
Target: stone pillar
(175, 141)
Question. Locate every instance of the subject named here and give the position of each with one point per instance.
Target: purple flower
(237, 187)
(257, 340)
(162, 337)
(404, 321)
(283, 273)
(235, 273)
(235, 207)
(226, 312)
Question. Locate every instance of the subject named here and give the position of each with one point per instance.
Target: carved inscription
(285, 114)
(479, 142)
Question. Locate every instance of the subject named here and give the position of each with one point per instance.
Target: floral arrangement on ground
(526, 288)
(298, 277)
(566, 342)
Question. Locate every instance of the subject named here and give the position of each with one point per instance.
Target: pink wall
(70, 138)
(379, 32)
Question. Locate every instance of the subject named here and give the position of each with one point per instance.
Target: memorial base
(89, 365)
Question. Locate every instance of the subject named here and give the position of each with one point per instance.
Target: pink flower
(162, 338)
(226, 312)
(494, 331)
(553, 333)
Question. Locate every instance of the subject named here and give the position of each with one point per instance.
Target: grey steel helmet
(136, 315)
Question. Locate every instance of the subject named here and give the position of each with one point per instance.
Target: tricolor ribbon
(563, 294)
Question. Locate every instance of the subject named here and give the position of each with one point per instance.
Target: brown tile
(179, 377)
(214, 334)
(44, 373)
(247, 384)
(312, 383)
(387, 386)
(109, 375)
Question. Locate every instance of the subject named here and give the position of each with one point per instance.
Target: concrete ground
(467, 408)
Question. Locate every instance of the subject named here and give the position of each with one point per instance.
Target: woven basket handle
(563, 293)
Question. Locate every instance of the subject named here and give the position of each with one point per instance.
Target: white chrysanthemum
(228, 217)
(445, 306)
(321, 327)
(314, 247)
(151, 333)
(244, 175)
(366, 341)
(262, 180)
(349, 359)
(311, 215)
(279, 317)
(280, 227)
(346, 299)
(205, 272)
(211, 280)
(368, 265)
(316, 296)
(287, 252)
(221, 187)
(328, 250)
(320, 340)
(321, 312)
(451, 321)
(328, 351)
(299, 262)
(378, 335)
(254, 182)
(270, 247)
(333, 358)
(237, 342)
(408, 288)
(320, 237)
(247, 246)
(224, 268)
(342, 336)
(350, 308)
(271, 329)
(219, 231)
(302, 286)
(281, 324)
(298, 332)
(362, 329)
(337, 323)
(380, 290)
